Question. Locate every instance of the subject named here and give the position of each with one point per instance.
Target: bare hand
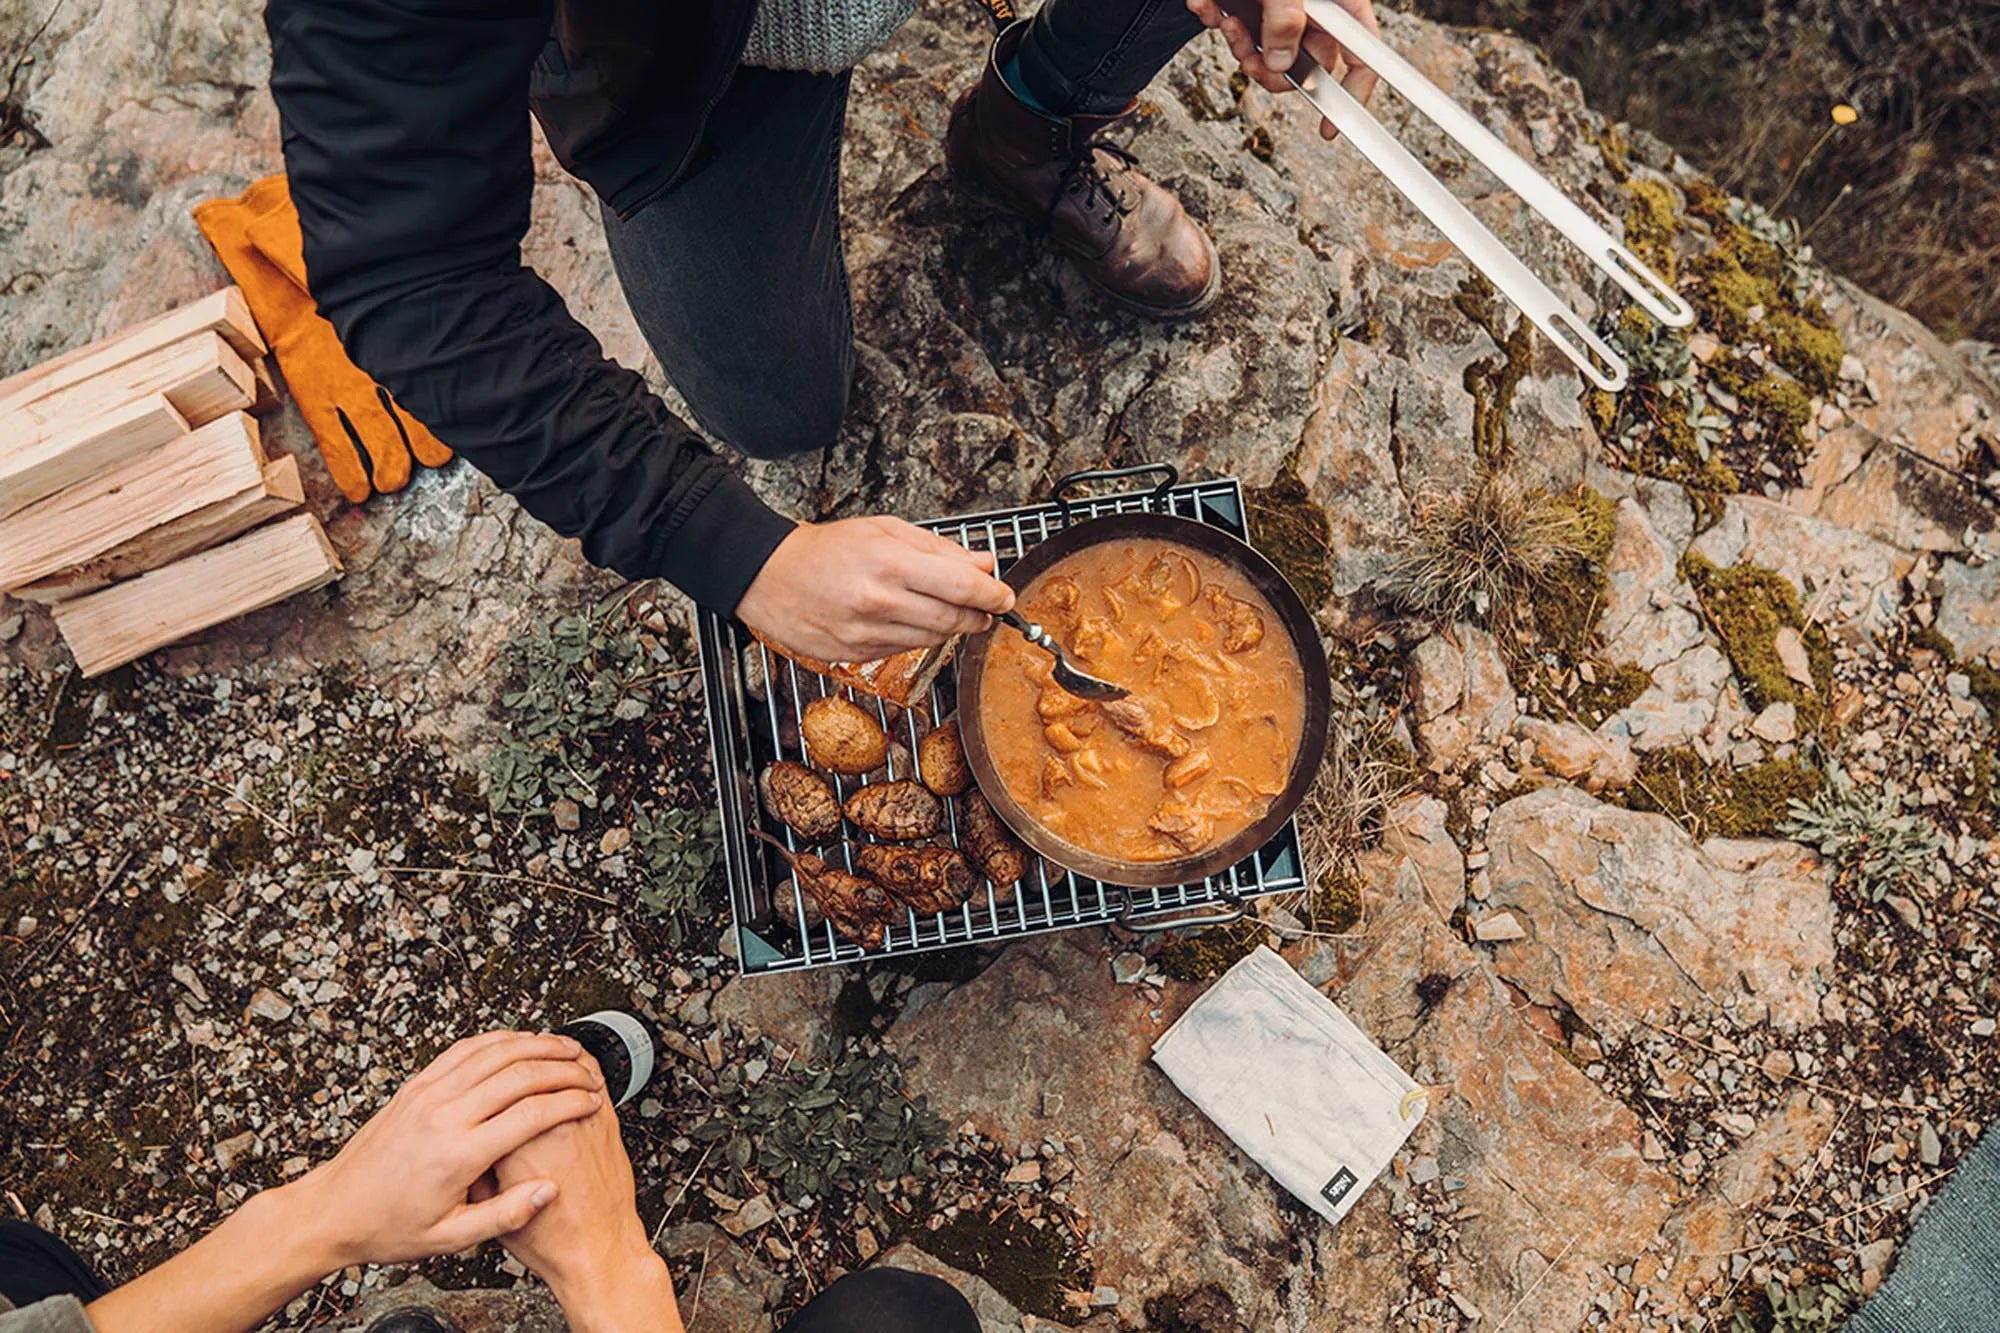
(864, 588)
(1284, 26)
(589, 1244)
(399, 1189)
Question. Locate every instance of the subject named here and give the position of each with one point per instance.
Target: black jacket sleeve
(406, 140)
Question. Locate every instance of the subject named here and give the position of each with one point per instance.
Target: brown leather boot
(1124, 232)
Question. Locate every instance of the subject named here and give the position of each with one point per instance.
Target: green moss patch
(1746, 606)
(1493, 381)
(1714, 800)
(1750, 285)
(1211, 952)
(1651, 225)
(1807, 345)
(1335, 905)
(1573, 595)
(1292, 531)
(1031, 1266)
(1566, 604)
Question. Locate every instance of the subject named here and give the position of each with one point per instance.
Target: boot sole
(1169, 314)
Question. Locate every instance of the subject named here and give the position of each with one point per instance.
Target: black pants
(736, 276)
(35, 1266)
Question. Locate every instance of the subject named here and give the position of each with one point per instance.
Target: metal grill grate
(747, 733)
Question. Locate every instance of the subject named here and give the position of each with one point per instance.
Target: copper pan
(1292, 616)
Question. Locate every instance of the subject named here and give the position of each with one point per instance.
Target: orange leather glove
(256, 235)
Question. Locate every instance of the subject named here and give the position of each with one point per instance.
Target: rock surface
(1632, 921)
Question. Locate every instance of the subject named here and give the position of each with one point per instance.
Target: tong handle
(1598, 361)
(1179, 918)
(1604, 250)
(1169, 478)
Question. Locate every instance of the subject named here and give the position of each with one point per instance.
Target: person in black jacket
(407, 147)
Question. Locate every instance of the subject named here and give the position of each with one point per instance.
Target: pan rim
(1299, 628)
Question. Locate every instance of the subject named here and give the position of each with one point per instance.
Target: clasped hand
(403, 1187)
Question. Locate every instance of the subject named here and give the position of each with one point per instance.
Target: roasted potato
(800, 799)
(896, 811)
(990, 842)
(941, 757)
(844, 737)
(929, 879)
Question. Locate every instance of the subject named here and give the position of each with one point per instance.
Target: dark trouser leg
(736, 275)
(886, 1300)
(1092, 57)
(35, 1266)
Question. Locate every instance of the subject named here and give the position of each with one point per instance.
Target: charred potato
(844, 737)
(800, 799)
(941, 759)
(998, 852)
(929, 879)
(896, 811)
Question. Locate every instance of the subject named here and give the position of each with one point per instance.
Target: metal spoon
(1076, 682)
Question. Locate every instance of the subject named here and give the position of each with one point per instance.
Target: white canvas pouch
(1285, 1074)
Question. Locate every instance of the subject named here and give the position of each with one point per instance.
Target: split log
(42, 469)
(224, 313)
(279, 491)
(130, 619)
(208, 466)
(201, 375)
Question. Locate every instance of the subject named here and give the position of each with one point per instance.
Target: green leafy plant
(676, 851)
(1782, 235)
(1864, 832)
(816, 1128)
(571, 681)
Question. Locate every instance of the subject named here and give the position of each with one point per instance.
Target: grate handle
(1177, 918)
(1167, 471)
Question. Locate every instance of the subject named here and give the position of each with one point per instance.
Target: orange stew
(1204, 742)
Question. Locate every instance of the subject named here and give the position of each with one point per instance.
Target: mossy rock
(1746, 606)
(1335, 906)
(1807, 345)
(1727, 294)
(1211, 952)
(1293, 533)
(1784, 410)
(1494, 380)
(1671, 453)
(1651, 224)
(1707, 200)
(1615, 689)
(1031, 1266)
(1715, 800)
(1568, 602)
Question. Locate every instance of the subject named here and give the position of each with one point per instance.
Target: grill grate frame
(746, 733)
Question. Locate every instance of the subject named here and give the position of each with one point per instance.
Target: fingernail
(1279, 59)
(543, 1193)
(573, 1046)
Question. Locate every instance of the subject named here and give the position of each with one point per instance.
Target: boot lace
(1094, 189)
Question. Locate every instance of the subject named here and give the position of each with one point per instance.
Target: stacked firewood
(135, 495)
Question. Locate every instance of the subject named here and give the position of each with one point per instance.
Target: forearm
(630, 1293)
(232, 1279)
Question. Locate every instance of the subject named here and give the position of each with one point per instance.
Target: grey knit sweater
(823, 36)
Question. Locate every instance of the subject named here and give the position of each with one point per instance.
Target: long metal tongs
(1600, 363)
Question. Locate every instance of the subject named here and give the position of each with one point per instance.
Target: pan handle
(1170, 477)
(1177, 918)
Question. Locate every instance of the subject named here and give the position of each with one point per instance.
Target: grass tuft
(1483, 555)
